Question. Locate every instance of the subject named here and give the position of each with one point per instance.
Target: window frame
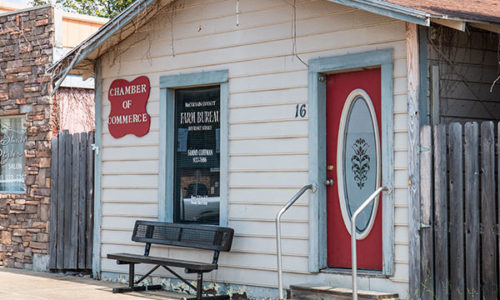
(168, 85)
(23, 118)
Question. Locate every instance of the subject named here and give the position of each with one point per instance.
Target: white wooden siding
(268, 146)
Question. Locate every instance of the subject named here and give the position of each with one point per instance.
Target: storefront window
(197, 155)
(12, 140)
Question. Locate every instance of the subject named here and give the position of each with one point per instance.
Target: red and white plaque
(128, 107)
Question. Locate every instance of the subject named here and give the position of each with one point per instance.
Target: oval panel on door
(358, 160)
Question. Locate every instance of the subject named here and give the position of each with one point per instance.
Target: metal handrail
(353, 238)
(278, 232)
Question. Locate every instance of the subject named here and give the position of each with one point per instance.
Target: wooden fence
(459, 209)
(72, 198)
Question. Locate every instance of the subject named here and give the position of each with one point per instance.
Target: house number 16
(300, 110)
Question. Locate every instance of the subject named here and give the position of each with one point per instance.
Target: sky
(26, 2)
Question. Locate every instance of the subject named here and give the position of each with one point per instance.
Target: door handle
(329, 182)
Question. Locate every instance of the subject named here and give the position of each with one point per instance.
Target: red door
(349, 96)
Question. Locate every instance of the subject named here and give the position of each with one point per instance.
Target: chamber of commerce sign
(128, 107)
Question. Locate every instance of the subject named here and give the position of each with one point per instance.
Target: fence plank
(488, 211)
(440, 213)
(426, 213)
(90, 200)
(472, 234)
(53, 206)
(73, 240)
(68, 205)
(456, 215)
(82, 216)
(60, 202)
(498, 196)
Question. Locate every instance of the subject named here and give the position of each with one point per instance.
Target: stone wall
(26, 45)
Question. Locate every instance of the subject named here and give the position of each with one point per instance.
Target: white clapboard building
(219, 111)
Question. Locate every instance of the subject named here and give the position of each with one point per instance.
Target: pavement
(27, 285)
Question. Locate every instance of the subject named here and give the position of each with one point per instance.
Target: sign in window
(12, 141)
(197, 155)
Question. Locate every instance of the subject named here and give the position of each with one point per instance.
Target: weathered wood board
(465, 224)
(72, 176)
(427, 212)
(442, 277)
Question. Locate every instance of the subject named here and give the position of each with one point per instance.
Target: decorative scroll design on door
(360, 162)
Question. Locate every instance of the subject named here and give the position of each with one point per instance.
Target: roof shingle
(477, 10)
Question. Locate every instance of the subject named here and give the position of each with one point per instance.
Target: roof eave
(389, 10)
(462, 23)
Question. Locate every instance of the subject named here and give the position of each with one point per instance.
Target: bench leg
(199, 291)
(131, 275)
(131, 286)
(199, 286)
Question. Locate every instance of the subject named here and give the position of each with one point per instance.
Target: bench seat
(139, 258)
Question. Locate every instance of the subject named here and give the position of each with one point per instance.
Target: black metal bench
(180, 235)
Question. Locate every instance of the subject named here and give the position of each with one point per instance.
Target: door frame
(318, 68)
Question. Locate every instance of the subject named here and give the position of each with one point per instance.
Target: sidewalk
(23, 285)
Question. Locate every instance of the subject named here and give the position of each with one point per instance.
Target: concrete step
(321, 292)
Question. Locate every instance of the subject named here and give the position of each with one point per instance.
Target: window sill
(7, 192)
(361, 273)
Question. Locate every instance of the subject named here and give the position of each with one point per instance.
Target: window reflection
(197, 155)
(12, 144)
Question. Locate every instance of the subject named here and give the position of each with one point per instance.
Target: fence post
(426, 175)
(90, 201)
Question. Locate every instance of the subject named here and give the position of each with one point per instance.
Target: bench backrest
(184, 235)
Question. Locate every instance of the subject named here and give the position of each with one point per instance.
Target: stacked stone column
(26, 51)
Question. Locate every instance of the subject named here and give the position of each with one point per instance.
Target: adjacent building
(31, 40)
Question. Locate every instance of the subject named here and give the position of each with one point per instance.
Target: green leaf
(97, 8)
